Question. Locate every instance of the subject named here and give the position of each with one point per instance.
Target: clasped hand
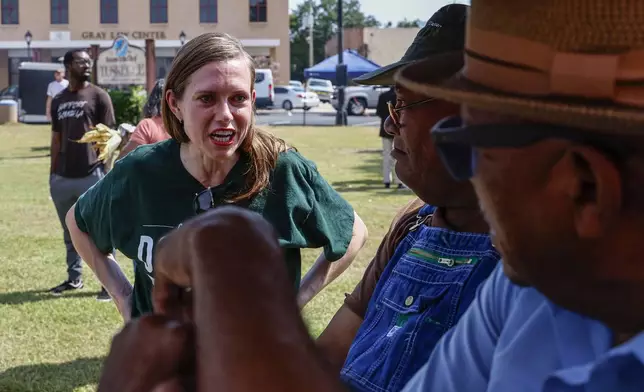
(218, 279)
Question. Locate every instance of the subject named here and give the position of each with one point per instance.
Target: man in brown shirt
(75, 166)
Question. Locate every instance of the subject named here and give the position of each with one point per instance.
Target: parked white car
(295, 83)
(289, 98)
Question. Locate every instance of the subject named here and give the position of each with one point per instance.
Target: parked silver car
(357, 99)
(322, 87)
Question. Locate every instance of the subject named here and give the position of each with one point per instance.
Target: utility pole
(310, 23)
(340, 71)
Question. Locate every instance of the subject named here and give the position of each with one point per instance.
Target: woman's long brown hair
(262, 147)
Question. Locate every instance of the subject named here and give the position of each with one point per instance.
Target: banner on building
(121, 65)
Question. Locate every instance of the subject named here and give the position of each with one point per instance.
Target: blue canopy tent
(356, 66)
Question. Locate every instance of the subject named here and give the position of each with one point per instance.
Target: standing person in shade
(56, 86)
(382, 110)
(75, 166)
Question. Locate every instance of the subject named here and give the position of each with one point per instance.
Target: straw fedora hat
(578, 63)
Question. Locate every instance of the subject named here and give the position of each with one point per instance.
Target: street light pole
(182, 38)
(340, 71)
(28, 37)
(310, 23)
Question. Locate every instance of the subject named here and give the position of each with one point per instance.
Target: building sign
(122, 64)
(102, 35)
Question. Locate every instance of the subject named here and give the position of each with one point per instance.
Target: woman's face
(216, 107)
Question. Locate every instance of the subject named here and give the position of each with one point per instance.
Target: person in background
(56, 86)
(217, 156)
(75, 167)
(149, 130)
(388, 163)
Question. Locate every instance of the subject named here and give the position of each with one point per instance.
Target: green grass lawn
(54, 344)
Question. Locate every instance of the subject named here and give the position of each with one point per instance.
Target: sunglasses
(456, 144)
(203, 201)
(394, 112)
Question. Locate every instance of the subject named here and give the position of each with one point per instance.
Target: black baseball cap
(443, 33)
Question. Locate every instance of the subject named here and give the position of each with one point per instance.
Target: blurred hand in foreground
(222, 275)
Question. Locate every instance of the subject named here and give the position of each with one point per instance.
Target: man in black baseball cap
(437, 251)
(443, 33)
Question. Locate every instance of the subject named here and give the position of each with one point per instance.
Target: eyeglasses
(394, 112)
(456, 144)
(203, 201)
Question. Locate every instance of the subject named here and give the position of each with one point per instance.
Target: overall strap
(424, 214)
(426, 210)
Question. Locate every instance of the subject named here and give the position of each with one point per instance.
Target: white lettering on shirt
(72, 109)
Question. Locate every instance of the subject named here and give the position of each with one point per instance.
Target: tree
(411, 23)
(325, 15)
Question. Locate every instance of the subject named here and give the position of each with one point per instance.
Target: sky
(397, 10)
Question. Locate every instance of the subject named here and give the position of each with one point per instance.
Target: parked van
(264, 90)
(33, 79)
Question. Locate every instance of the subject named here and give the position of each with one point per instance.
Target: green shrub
(128, 104)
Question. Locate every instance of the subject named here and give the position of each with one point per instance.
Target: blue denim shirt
(424, 289)
(514, 339)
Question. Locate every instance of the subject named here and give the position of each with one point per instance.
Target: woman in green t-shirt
(216, 156)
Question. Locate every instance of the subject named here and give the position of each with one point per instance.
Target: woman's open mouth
(222, 137)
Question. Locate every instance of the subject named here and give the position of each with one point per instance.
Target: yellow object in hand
(105, 141)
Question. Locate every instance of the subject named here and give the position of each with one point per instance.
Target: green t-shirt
(149, 192)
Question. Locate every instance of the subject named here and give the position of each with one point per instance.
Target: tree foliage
(128, 104)
(411, 23)
(325, 15)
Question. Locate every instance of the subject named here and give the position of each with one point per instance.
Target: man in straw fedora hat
(437, 251)
(552, 138)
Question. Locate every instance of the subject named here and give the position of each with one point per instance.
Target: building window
(9, 11)
(257, 10)
(158, 11)
(208, 11)
(59, 11)
(109, 11)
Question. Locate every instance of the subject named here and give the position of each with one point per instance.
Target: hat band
(525, 67)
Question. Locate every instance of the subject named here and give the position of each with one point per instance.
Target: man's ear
(594, 186)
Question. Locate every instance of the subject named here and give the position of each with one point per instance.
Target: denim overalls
(425, 288)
